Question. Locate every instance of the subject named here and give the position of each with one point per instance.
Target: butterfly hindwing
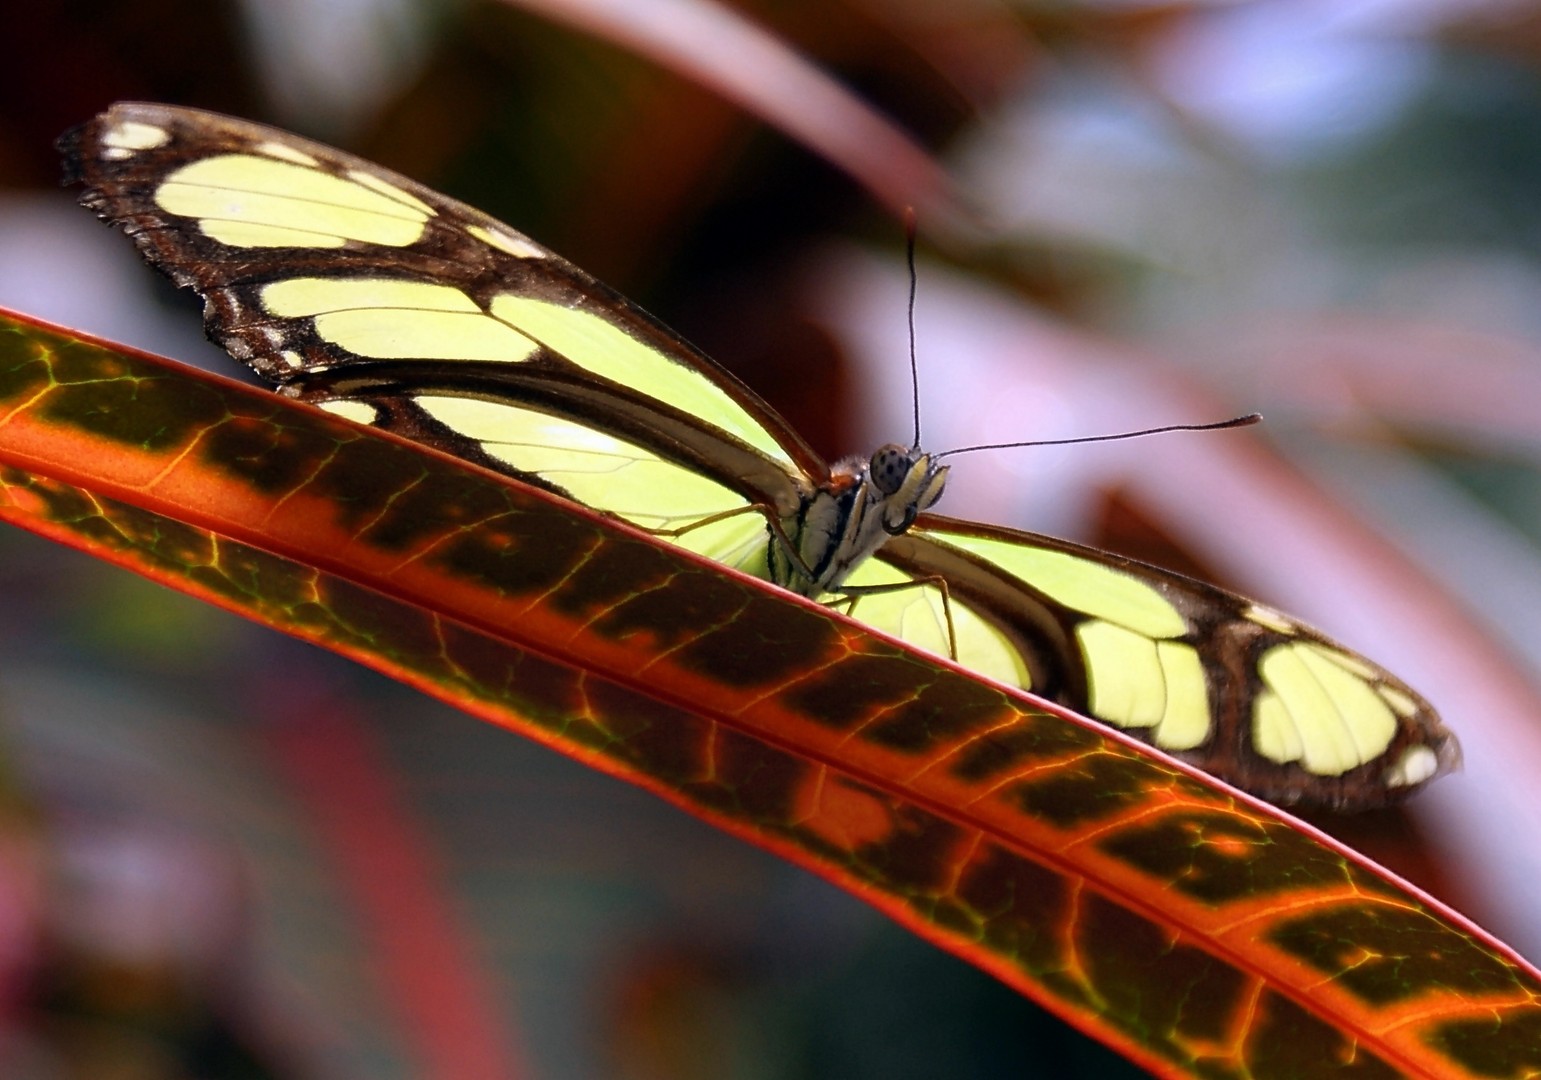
(1206, 675)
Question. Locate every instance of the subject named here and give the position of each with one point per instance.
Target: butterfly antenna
(1234, 422)
(909, 254)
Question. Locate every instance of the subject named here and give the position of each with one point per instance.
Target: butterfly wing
(1232, 686)
(366, 293)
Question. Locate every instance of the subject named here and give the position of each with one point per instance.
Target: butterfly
(375, 298)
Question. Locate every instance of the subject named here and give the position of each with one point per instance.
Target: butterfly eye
(889, 467)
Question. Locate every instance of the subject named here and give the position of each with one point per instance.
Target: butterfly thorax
(848, 518)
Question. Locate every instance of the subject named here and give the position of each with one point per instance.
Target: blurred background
(225, 854)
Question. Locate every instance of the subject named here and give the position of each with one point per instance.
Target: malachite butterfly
(380, 300)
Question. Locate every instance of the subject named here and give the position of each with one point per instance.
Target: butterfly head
(908, 481)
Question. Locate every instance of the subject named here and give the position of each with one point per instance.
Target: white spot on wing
(516, 246)
(1273, 620)
(1418, 763)
(1400, 703)
(285, 152)
(131, 136)
(360, 412)
(389, 190)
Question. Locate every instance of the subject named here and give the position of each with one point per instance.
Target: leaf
(721, 49)
(1193, 929)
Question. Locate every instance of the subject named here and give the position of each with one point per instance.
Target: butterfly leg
(795, 560)
(850, 596)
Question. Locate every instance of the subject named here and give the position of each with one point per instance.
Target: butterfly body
(382, 301)
(849, 517)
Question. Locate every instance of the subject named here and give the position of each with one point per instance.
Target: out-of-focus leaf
(1187, 926)
(718, 47)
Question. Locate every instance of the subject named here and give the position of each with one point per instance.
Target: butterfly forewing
(385, 302)
(329, 276)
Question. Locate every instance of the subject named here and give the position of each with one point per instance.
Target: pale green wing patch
(600, 346)
(912, 611)
(1137, 675)
(1320, 709)
(1134, 681)
(1093, 588)
(248, 201)
(382, 318)
(393, 319)
(611, 474)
